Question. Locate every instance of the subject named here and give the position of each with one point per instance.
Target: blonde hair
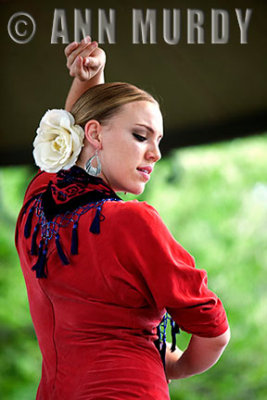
(102, 101)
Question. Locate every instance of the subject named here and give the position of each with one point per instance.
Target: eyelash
(139, 137)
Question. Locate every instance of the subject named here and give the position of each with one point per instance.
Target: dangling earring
(94, 171)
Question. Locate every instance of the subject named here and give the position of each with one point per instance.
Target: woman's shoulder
(37, 185)
(133, 209)
(134, 216)
(141, 223)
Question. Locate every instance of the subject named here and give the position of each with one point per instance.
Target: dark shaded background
(209, 92)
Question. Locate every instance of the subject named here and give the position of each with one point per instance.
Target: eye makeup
(150, 130)
(138, 137)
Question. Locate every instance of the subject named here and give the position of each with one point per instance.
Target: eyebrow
(149, 129)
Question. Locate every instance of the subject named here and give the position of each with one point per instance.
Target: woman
(101, 272)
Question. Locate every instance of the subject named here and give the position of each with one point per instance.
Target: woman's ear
(92, 130)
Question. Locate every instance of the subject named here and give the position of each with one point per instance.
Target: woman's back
(93, 320)
(96, 318)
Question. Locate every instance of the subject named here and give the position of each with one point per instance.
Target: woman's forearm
(200, 355)
(78, 87)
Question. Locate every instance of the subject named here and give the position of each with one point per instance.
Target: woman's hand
(86, 63)
(85, 59)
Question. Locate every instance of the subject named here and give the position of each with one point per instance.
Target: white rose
(58, 141)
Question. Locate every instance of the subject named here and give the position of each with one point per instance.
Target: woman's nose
(154, 153)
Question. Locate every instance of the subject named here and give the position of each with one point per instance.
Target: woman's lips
(145, 172)
(147, 168)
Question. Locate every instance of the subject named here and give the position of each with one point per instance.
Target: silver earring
(94, 171)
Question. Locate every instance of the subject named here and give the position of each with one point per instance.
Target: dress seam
(53, 335)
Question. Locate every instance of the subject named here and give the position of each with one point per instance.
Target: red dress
(96, 318)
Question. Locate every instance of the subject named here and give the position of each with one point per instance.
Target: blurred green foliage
(214, 200)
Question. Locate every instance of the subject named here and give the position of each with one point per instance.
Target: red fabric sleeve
(145, 245)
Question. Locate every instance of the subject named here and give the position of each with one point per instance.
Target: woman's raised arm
(86, 63)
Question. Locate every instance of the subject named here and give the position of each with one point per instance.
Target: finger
(88, 50)
(77, 69)
(91, 62)
(76, 51)
(80, 48)
(68, 49)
